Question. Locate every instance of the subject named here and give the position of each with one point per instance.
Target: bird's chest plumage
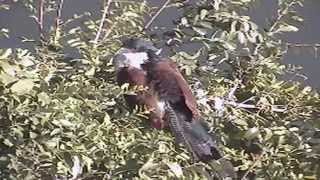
(131, 75)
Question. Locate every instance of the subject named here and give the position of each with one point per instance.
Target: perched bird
(128, 68)
(171, 98)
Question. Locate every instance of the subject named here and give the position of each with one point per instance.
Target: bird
(171, 98)
(128, 69)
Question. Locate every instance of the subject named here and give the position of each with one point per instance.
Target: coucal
(128, 68)
(169, 97)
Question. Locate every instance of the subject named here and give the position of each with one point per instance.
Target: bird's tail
(195, 136)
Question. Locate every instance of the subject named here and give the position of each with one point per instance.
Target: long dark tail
(194, 135)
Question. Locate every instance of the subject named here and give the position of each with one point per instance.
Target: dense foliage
(63, 117)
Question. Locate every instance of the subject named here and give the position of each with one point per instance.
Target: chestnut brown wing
(170, 85)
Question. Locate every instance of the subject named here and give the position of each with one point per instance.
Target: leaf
(206, 25)
(184, 21)
(87, 162)
(44, 98)
(268, 133)
(8, 142)
(6, 78)
(287, 28)
(175, 168)
(241, 37)
(51, 143)
(66, 123)
(10, 69)
(27, 61)
(33, 135)
(23, 86)
(203, 13)
(201, 31)
(106, 119)
(5, 53)
(148, 165)
(91, 72)
(306, 90)
(55, 131)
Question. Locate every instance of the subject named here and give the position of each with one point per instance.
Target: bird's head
(141, 45)
(134, 52)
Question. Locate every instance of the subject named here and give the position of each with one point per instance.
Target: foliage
(65, 118)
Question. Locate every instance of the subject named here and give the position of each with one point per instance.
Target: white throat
(135, 59)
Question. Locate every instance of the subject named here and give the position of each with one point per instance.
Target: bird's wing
(171, 85)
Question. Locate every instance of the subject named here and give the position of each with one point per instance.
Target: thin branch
(156, 14)
(232, 91)
(39, 19)
(273, 108)
(315, 47)
(104, 15)
(58, 21)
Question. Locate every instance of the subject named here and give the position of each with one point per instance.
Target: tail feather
(194, 135)
(177, 129)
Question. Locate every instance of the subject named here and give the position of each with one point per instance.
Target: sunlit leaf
(23, 86)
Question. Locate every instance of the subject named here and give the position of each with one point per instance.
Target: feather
(203, 147)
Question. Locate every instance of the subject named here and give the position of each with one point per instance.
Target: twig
(315, 47)
(58, 20)
(156, 14)
(232, 91)
(273, 108)
(104, 15)
(39, 19)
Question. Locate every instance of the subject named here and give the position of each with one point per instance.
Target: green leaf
(5, 53)
(23, 86)
(6, 78)
(88, 162)
(44, 98)
(241, 37)
(8, 68)
(8, 142)
(203, 13)
(175, 168)
(287, 28)
(66, 123)
(201, 31)
(52, 143)
(91, 72)
(106, 119)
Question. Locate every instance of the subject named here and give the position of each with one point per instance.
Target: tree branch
(315, 47)
(103, 18)
(58, 21)
(156, 14)
(39, 19)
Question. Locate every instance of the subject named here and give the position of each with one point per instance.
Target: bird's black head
(141, 45)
